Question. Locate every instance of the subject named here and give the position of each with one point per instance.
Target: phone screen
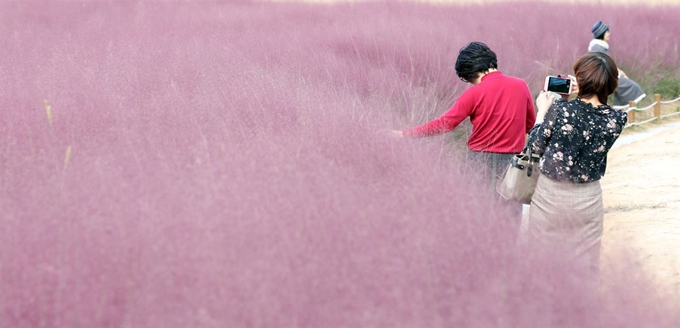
(559, 85)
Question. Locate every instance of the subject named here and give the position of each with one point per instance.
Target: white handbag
(519, 179)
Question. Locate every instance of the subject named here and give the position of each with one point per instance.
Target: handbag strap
(530, 167)
(515, 163)
(527, 155)
(531, 158)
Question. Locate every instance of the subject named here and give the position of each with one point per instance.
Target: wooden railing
(632, 109)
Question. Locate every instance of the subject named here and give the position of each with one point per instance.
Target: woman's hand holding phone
(574, 84)
(543, 102)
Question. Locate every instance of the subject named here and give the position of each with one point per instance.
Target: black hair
(473, 59)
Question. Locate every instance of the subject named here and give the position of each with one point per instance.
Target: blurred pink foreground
(218, 164)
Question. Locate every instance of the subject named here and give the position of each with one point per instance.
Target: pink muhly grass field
(221, 164)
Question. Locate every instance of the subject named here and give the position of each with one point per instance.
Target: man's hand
(392, 133)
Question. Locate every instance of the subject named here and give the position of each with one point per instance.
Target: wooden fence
(632, 109)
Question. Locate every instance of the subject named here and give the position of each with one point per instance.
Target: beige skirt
(566, 217)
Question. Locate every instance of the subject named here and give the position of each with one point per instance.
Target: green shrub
(668, 88)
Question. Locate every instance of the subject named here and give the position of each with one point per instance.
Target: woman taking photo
(574, 138)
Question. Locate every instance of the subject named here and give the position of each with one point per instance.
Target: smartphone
(561, 85)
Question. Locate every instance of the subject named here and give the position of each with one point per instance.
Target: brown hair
(596, 75)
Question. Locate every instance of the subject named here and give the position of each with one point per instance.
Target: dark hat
(599, 28)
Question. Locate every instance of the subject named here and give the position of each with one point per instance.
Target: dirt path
(642, 201)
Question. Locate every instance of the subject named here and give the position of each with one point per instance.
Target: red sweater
(500, 108)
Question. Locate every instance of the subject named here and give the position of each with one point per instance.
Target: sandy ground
(642, 201)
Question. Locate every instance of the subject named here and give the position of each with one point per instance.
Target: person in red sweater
(500, 108)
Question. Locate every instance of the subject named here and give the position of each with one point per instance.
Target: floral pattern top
(574, 139)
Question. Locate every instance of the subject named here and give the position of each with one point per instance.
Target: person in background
(628, 89)
(574, 137)
(500, 108)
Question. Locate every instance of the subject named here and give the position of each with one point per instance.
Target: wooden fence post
(631, 114)
(657, 106)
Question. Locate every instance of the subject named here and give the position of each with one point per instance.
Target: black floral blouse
(575, 138)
